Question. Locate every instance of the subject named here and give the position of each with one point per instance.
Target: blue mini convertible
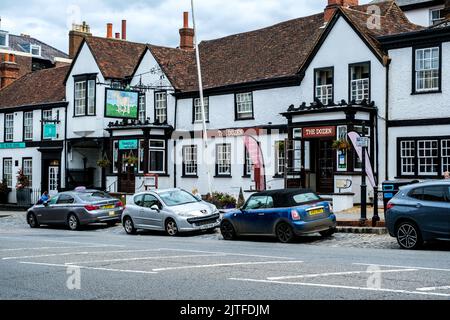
(281, 213)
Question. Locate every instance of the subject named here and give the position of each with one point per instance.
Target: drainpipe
(66, 170)
(386, 154)
(175, 145)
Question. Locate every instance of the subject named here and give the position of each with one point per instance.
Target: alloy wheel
(408, 236)
(32, 221)
(227, 231)
(129, 226)
(73, 222)
(285, 233)
(171, 228)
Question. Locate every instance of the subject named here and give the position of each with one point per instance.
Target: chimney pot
(117, 35)
(109, 30)
(185, 20)
(124, 29)
(186, 34)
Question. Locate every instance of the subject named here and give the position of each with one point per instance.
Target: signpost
(13, 145)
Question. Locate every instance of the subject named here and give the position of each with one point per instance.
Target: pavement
(105, 263)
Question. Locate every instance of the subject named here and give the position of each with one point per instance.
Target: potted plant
(223, 200)
(104, 163)
(23, 193)
(341, 144)
(4, 191)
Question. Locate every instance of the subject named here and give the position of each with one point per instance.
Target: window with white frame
(27, 168)
(4, 37)
(244, 106)
(28, 125)
(428, 156)
(9, 127)
(427, 64)
(35, 50)
(142, 106)
(157, 156)
(198, 117)
(248, 166)
(407, 157)
(360, 82)
(84, 102)
(436, 16)
(445, 151)
(161, 107)
(190, 160)
(281, 157)
(324, 85)
(7, 171)
(223, 159)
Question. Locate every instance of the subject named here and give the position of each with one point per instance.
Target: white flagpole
(202, 103)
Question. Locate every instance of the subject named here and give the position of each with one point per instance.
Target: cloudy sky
(152, 21)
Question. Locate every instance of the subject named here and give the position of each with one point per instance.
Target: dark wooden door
(325, 167)
(127, 172)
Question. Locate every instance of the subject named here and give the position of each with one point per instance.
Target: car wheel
(408, 236)
(128, 225)
(32, 221)
(327, 233)
(73, 222)
(284, 232)
(171, 228)
(227, 230)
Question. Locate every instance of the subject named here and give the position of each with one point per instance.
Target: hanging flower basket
(341, 144)
(104, 163)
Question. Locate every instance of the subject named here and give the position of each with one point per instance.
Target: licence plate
(316, 212)
(112, 213)
(207, 226)
(111, 206)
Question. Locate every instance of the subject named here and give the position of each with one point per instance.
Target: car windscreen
(304, 198)
(94, 196)
(177, 198)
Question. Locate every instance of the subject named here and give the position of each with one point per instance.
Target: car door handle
(418, 205)
(261, 214)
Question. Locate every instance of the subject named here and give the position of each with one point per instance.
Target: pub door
(127, 171)
(325, 166)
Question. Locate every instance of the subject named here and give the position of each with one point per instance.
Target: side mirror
(155, 208)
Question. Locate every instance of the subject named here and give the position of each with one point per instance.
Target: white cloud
(153, 21)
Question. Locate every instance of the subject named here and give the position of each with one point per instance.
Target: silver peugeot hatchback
(172, 211)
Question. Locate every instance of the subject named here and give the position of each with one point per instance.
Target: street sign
(13, 145)
(128, 145)
(362, 142)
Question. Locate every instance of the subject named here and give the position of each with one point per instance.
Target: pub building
(320, 155)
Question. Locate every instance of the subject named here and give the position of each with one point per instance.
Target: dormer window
(436, 16)
(35, 50)
(324, 85)
(4, 39)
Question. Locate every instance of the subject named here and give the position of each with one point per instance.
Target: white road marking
(146, 258)
(226, 265)
(76, 253)
(433, 288)
(337, 274)
(231, 254)
(86, 268)
(50, 248)
(405, 267)
(341, 287)
(28, 238)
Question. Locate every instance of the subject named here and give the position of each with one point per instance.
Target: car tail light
(119, 204)
(295, 215)
(390, 205)
(91, 207)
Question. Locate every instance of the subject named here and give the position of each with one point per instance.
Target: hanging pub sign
(319, 132)
(121, 104)
(128, 144)
(49, 131)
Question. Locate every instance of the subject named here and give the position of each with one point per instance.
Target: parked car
(281, 213)
(172, 211)
(76, 208)
(420, 212)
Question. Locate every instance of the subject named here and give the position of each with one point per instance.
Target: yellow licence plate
(109, 207)
(316, 212)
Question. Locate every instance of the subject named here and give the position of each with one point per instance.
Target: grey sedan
(172, 210)
(76, 208)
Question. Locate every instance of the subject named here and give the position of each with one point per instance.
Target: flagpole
(202, 102)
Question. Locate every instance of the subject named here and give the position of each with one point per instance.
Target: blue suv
(280, 213)
(420, 212)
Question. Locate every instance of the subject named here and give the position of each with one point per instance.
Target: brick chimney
(109, 30)
(186, 34)
(124, 29)
(334, 4)
(118, 35)
(76, 36)
(9, 70)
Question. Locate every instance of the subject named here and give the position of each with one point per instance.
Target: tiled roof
(22, 44)
(403, 3)
(274, 52)
(116, 59)
(35, 88)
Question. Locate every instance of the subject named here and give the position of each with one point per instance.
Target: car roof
(283, 192)
(428, 183)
